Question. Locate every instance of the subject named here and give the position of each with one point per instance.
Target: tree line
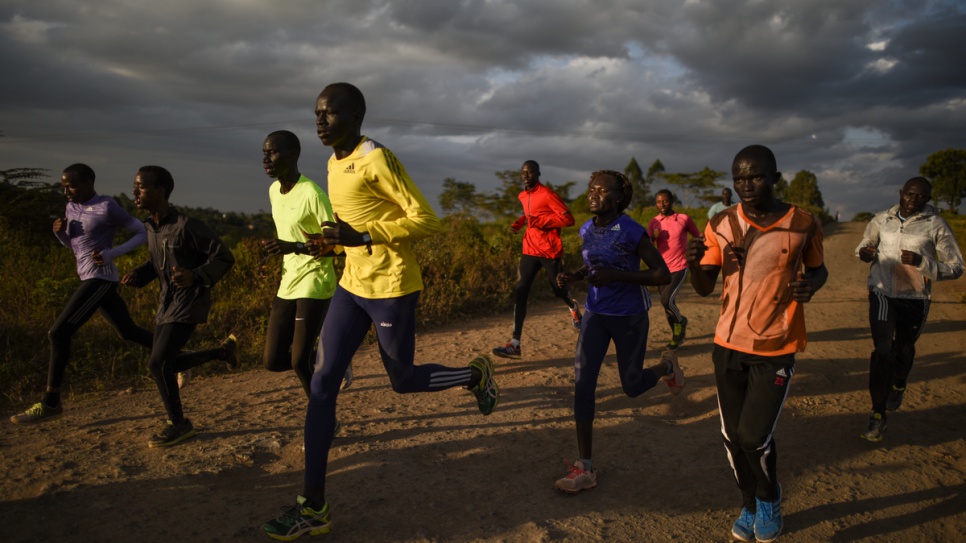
(946, 169)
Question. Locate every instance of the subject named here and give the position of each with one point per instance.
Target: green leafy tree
(947, 169)
(640, 183)
(653, 173)
(693, 185)
(781, 188)
(459, 197)
(803, 191)
(678, 181)
(504, 203)
(705, 184)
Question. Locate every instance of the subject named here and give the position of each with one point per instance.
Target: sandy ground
(428, 467)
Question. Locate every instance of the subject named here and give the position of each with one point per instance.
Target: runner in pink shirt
(669, 233)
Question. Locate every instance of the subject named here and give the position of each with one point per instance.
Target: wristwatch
(300, 248)
(367, 239)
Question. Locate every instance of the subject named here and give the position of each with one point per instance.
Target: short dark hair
(288, 140)
(162, 177)
(532, 163)
(919, 180)
(758, 153)
(355, 98)
(623, 184)
(665, 192)
(85, 172)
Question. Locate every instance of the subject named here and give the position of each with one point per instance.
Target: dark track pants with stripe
(349, 319)
(669, 295)
(896, 324)
(91, 295)
(751, 394)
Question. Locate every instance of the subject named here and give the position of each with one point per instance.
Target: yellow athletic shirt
(370, 190)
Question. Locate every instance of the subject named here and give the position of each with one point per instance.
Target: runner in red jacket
(544, 214)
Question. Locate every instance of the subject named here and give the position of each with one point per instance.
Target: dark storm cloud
(854, 90)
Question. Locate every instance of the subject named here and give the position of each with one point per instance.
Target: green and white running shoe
(486, 392)
(298, 520)
(38, 412)
(172, 434)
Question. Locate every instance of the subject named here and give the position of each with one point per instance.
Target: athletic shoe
(184, 378)
(172, 434)
(486, 392)
(298, 520)
(895, 398)
(744, 528)
(577, 478)
(675, 380)
(575, 314)
(678, 331)
(230, 346)
(349, 377)
(768, 519)
(877, 425)
(508, 351)
(38, 412)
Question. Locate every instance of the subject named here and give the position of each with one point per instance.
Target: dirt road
(429, 468)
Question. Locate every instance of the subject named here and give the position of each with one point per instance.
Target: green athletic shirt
(302, 209)
(372, 192)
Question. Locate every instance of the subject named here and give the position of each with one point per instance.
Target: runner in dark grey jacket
(187, 258)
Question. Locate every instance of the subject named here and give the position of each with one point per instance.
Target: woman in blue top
(616, 310)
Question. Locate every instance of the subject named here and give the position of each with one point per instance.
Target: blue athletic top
(615, 246)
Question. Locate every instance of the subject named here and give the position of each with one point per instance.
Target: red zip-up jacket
(544, 214)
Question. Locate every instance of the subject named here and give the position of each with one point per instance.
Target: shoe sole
(503, 355)
(159, 445)
(570, 492)
(870, 438)
(772, 538)
(740, 537)
(14, 420)
(316, 531)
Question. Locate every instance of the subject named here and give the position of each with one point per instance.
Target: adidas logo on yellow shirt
(350, 169)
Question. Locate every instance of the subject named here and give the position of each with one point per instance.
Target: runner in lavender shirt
(87, 228)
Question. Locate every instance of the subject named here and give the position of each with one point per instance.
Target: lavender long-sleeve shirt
(92, 225)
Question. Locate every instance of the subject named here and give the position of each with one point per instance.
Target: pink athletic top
(670, 235)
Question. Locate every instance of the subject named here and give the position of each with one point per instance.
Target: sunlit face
(530, 175)
(754, 181)
(335, 121)
(277, 160)
(148, 194)
(913, 197)
(603, 195)
(75, 189)
(664, 204)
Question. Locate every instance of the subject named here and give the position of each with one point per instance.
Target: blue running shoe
(744, 527)
(768, 519)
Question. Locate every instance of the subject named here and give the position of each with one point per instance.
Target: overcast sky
(858, 92)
